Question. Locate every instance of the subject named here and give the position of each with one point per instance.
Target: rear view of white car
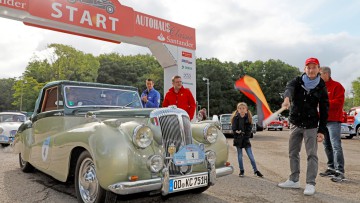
(9, 124)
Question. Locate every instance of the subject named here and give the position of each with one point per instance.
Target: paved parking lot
(270, 151)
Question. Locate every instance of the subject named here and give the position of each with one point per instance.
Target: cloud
(229, 30)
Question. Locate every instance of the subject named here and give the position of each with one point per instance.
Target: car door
(47, 123)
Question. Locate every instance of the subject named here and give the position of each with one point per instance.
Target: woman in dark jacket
(241, 127)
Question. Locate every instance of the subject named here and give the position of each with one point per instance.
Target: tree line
(66, 63)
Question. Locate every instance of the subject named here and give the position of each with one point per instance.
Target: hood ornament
(171, 149)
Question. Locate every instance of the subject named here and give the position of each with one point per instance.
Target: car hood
(10, 125)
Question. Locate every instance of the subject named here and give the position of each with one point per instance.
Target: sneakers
(328, 172)
(289, 184)
(309, 189)
(241, 174)
(258, 174)
(338, 177)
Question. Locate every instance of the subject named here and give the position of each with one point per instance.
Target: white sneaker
(309, 189)
(289, 184)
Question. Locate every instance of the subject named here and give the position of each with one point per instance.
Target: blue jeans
(333, 149)
(250, 155)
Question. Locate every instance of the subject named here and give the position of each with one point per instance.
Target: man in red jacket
(180, 96)
(332, 141)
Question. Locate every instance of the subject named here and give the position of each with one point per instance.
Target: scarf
(308, 83)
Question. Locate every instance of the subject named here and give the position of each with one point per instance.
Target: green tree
(349, 103)
(25, 94)
(356, 92)
(130, 70)
(63, 63)
(272, 76)
(6, 93)
(41, 70)
(222, 94)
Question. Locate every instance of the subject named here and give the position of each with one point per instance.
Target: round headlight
(1, 130)
(143, 136)
(155, 163)
(210, 133)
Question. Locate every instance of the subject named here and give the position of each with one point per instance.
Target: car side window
(51, 101)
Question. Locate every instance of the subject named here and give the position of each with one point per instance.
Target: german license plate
(180, 184)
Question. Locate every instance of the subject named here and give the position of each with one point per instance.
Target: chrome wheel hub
(88, 183)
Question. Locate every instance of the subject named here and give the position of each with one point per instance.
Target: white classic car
(9, 124)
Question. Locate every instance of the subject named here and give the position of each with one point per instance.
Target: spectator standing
(241, 125)
(304, 95)
(150, 97)
(332, 141)
(180, 96)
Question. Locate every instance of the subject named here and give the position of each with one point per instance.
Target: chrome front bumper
(124, 188)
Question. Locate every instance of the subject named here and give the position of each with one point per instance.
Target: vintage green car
(100, 136)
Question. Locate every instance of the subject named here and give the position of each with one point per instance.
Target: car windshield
(12, 118)
(76, 96)
(225, 119)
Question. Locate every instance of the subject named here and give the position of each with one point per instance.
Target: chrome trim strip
(124, 188)
(224, 171)
(172, 110)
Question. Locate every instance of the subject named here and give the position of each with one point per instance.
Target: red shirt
(336, 94)
(183, 99)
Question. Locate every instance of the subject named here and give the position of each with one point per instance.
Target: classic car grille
(171, 129)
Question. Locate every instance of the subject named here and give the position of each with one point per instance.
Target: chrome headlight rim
(210, 138)
(138, 135)
(153, 166)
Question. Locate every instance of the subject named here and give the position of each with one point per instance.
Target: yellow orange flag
(250, 87)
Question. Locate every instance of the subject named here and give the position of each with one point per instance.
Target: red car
(275, 125)
(286, 123)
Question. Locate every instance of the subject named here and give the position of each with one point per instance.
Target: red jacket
(183, 99)
(336, 94)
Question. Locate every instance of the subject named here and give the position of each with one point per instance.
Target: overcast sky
(230, 30)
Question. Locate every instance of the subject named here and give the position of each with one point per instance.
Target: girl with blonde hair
(241, 122)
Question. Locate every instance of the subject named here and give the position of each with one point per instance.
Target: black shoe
(338, 177)
(241, 174)
(328, 172)
(258, 174)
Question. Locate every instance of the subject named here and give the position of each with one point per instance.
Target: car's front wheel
(87, 185)
(24, 165)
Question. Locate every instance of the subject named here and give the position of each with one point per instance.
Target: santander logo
(161, 37)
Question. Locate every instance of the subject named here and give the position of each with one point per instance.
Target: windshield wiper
(129, 103)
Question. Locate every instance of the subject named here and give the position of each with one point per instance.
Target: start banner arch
(172, 44)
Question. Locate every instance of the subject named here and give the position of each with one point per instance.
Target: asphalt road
(270, 151)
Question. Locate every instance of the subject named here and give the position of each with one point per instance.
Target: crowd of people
(315, 102)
